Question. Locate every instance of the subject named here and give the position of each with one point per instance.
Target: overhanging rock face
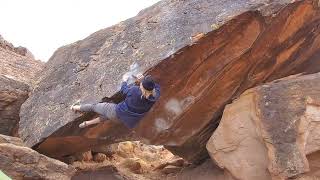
(203, 54)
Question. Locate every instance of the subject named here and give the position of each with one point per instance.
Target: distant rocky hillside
(18, 63)
(17, 74)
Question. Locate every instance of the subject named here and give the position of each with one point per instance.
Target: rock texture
(18, 63)
(11, 140)
(20, 162)
(104, 173)
(99, 157)
(84, 156)
(270, 130)
(17, 72)
(133, 160)
(205, 171)
(203, 53)
(12, 95)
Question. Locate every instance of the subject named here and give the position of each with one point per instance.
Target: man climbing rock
(139, 100)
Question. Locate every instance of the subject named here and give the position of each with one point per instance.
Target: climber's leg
(107, 111)
(88, 108)
(100, 108)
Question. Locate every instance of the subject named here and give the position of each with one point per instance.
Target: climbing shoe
(83, 124)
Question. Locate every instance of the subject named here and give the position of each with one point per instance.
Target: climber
(139, 100)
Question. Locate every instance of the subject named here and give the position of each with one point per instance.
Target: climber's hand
(125, 77)
(138, 78)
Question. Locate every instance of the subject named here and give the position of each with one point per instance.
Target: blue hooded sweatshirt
(135, 106)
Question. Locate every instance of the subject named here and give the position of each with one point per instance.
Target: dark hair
(148, 83)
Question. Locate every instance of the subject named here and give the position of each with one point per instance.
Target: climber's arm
(157, 89)
(125, 88)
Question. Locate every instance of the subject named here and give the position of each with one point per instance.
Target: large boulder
(20, 162)
(17, 72)
(271, 132)
(202, 52)
(12, 95)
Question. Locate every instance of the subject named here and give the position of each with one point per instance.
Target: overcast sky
(45, 25)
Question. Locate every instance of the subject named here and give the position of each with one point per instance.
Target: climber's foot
(84, 124)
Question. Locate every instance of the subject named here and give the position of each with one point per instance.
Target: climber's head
(147, 86)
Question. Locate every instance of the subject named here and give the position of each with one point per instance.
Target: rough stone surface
(268, 132)
(135, 165)
(205, 171)
(126, 149)
(142, 162)
(84, 156)
(177, 162)
(5, 45)
(104, 173)
(17, 73)
(171, 169)
(103, 133)
(314, 166)
(12, 95)
(11, 140)
(203, 53)
(18, 63)
(99, 157)
(108, 150)
(20, 162)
